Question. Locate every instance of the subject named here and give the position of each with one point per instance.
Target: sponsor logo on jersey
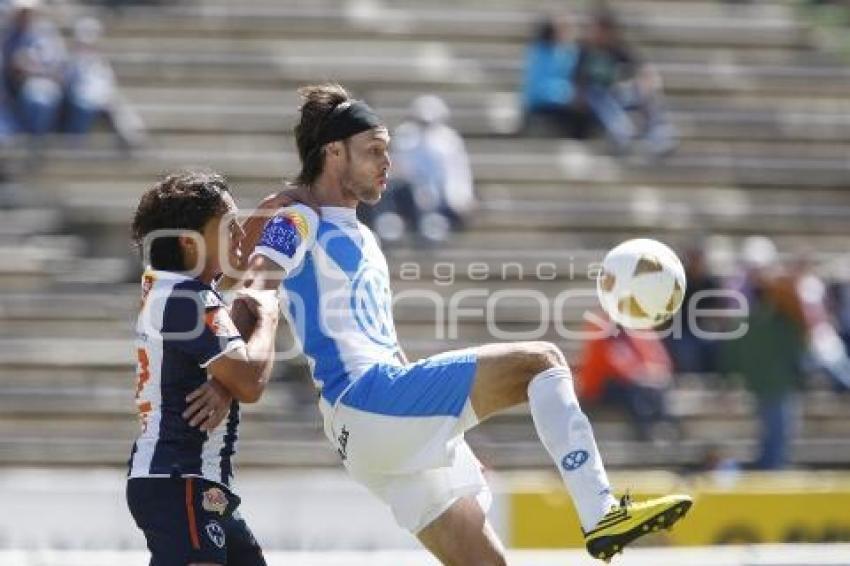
(299, 221)
(371, 302)
(215, 501)
(285, 233)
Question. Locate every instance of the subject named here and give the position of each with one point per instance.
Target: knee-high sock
(566, 433)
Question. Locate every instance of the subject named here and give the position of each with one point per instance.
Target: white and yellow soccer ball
(642, 284)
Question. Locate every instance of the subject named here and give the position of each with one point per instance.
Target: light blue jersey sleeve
(288, 235)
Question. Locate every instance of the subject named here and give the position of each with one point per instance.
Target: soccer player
(399, 426)
(191, 359)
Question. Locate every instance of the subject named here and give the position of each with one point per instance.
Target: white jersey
(337, 292)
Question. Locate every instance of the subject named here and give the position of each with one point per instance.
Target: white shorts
(399, 431)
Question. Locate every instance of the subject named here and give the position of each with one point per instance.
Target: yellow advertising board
(745, 508)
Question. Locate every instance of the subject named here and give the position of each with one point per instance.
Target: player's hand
(253, 225)
(244, 318)
(252, 305)
(209, 404)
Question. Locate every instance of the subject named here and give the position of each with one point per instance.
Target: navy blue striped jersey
(183, 326)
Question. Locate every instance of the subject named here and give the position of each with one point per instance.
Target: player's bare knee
(540, 356)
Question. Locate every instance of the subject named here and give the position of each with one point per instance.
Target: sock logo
(574, 460)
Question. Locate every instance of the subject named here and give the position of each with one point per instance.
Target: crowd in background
(50, 86)
(797, 333)
(577, 80)
(574, 82)
(430, 193)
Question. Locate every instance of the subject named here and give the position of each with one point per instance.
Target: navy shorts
(188, 520)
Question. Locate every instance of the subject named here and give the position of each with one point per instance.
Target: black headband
(347, 119)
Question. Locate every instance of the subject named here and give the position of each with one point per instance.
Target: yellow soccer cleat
(629, 521)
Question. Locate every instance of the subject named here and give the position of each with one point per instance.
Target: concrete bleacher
(766, 149)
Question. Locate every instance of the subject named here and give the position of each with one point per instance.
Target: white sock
(566, 433)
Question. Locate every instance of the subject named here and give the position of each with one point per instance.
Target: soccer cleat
(628, 521)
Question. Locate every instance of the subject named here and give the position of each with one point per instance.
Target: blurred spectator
(548, 93)
(431, 191)
(121, 4)
(89, 79)
(91, 92)
(841, 294)
(612, 81)
(33, 59)
(721, 464)
(632, 371)
(826, 350)
(768, 355)
(691, 351)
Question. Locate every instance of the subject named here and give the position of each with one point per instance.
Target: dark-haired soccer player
(397, 426)
(190, 355)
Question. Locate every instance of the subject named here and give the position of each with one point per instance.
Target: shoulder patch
(148, 280)
(299, 221)
(285, 232)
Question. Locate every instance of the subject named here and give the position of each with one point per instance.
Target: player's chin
(372, 197)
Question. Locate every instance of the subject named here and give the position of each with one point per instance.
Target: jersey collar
(339, 213)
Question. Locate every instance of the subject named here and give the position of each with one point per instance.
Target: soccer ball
(642, 284)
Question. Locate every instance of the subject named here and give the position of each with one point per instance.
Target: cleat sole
(606, 547)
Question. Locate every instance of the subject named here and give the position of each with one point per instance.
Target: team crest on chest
(216, 533)
(371, 302)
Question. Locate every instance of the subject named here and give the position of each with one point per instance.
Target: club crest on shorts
(216, 533)
(574, 460)
(215, 501)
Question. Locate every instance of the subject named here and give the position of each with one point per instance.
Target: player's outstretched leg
(462, 536)
(537, 372)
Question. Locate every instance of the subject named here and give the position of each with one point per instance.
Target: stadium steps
(756, 105)
(51, 315)
(692, 8)
(394, 102)
(577, 202)
(729, 28)
(239, 143)
(127, 48)
(398, 98)
(99, 426)
(811, 225)
(454, 72)
(569, 166)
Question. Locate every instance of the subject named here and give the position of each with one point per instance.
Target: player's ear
(187, 241)
(189, 245)
(334, 148)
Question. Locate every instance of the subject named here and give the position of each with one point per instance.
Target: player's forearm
(260, 350)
